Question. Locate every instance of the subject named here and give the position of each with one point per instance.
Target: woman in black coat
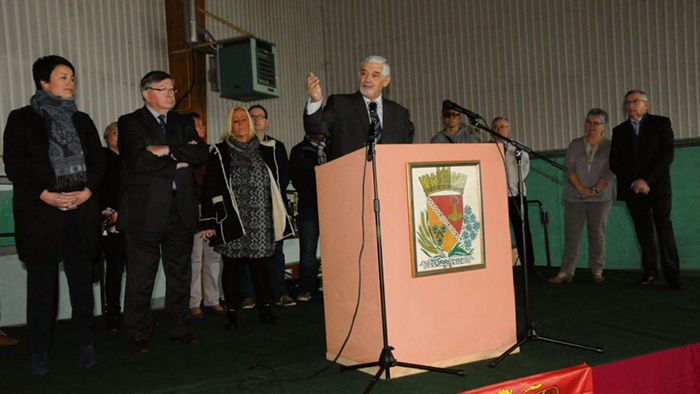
(54, 159)
(243, 211)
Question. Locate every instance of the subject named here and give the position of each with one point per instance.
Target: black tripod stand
(386, 358)
(528, 333)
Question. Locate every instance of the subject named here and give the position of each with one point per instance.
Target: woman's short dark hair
(43, 67)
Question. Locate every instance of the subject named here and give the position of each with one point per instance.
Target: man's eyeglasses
(594, 123)
(258, 117)
(628, 102)
(450, 115)
(164, 90)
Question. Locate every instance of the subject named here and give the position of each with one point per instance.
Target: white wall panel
(112, 44)
(542, 63)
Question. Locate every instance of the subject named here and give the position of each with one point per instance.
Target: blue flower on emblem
(443, 228)
(435, 229)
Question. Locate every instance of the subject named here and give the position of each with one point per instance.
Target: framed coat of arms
(446, 217)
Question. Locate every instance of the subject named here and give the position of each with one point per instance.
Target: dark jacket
(39, 226)
(147, 180)
(303, 161)
(109, 193)
(219, 208)
(651, 160)
(346, 121)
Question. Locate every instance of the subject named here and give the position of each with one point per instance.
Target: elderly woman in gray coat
(588, 195)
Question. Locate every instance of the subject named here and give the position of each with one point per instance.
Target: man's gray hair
(598, 112)
(386, 71)
(633, 91)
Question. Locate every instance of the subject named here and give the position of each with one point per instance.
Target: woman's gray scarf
(65, 151)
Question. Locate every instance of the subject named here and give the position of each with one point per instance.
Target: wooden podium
(438, 320)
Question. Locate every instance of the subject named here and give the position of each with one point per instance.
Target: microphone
(373, 117)
(447, 104)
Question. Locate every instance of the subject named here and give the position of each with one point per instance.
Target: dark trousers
(308, 243)
(143, 251)
(233, 272)
(114, 248)
(647, 212)
(276, 266)
(516, 222)
(42, 282)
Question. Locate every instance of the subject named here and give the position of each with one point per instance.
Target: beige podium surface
(439, 320)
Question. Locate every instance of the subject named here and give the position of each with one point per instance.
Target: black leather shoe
(266, 315)
(675, 285)
(648, 280)
(231, 320)
(139, 346)
(112, 323)
(185, 339)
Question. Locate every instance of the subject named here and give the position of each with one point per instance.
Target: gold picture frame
(446, 217)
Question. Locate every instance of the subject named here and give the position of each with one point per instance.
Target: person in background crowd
(206, 263)
(54, 159)
(259, 115)
(588, 195)
(304, 158)
(113, 244)
(501, 125)
(243, 211)
(158, 209)
(641, 157)
(453, 131)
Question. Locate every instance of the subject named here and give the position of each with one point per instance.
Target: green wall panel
(546, 184)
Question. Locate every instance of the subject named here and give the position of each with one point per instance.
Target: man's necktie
(161, 122)
(635, 137)
(374, 118)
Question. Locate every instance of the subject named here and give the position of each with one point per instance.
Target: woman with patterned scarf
(54, 159)
(243, 212)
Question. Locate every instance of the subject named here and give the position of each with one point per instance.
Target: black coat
(219, 208)
(346, 121)
(147, 180)
(652, 159)
(39, 226)
(303, 161)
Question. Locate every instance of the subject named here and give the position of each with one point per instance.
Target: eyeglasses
(450, 115)
(258, 117)
(628, 102)
(594, 123)
(164, 90)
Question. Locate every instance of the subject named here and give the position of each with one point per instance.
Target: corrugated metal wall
(294, 28)
(542, 63)
(112, 44)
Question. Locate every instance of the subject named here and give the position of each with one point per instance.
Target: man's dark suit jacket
(147, 180)
(346, 121)
(652, 159)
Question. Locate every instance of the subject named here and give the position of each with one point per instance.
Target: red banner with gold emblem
(573, 380)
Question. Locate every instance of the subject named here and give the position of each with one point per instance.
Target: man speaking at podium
(345, 119)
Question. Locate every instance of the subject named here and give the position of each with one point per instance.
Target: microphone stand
(386, 358)
(528, 333)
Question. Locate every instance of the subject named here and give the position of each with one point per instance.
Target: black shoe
(139, 346)
(112, 323)
(266, 315)
(231, 320)
(40, 364)
(185, 339)
(648, 280)
(86, 356)
(675, 285)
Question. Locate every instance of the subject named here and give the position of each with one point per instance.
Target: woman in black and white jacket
(243, 211)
